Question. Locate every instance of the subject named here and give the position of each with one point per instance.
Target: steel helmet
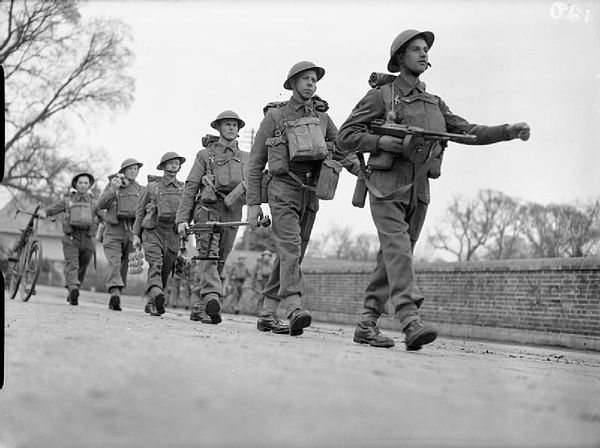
(300, 67)
(78, 175)
(227, 115)
(169, 156)
(266, 252)
(129, 162)
(402, 39)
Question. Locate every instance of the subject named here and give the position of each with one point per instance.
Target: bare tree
(506, 239)
(364, 247)
(559, 230)
(338, 242)
(583, 230)
(470, 225)
(57, 67)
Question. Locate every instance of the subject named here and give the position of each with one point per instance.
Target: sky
(493, 62)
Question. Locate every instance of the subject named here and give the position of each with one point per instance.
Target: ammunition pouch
(278, 156)
(382, 160)
(127, 202)
(208, 194)
(306, 141)
(418, 150)
(435, 162)
(227, 173)
(81, 215)
(149, 221)
(167, 204)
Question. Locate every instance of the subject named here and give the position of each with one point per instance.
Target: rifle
(383, 127)
(213, 229)
(415, 142)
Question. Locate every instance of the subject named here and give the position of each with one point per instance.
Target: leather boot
(299, 320)
(114, 303)
(213, 309)
(368, 333)
(271, 323)
(418, 334)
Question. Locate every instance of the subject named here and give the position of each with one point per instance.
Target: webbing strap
(302, 184)
(398, 191)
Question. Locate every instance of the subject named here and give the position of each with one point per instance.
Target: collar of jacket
(87, 195)
(232, 146)
(170, 181)
(297, 104)
(404, 86)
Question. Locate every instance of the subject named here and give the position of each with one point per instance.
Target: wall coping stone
(528, 264)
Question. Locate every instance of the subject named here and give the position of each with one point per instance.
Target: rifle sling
(398, 191)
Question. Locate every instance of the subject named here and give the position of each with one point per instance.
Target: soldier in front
(399, 177)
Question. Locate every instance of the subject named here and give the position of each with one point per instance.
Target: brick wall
(546, 301)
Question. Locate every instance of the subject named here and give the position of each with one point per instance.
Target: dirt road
(88, 377)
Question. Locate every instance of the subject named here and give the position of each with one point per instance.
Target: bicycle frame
(26, 258)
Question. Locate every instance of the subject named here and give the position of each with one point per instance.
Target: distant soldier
(260, 275)
(155, 226)
(218, 169)
(120, 198)
(81, 216)
(398, 172)
(236, 279)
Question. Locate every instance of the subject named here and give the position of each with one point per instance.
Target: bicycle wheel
(31, 271)
(15, 278)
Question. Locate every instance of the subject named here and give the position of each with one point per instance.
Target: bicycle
(26, 259)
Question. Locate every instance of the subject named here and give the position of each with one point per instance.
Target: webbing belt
(301, 182)
(398, 191)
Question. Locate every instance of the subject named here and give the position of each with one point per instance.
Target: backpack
(127, 201)
(167, 201)
(80, 213)
(228, 173)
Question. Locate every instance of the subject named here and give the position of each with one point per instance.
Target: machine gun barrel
(382, 127)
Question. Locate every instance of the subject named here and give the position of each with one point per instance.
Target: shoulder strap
(387, 91)
(209, 158)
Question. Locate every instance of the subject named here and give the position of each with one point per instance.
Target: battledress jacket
(412, 106)
(292, 110)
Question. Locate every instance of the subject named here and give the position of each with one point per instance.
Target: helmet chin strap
(172, 172)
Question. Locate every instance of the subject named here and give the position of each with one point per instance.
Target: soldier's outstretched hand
(519, 130)
(254, 213)
(137, 242)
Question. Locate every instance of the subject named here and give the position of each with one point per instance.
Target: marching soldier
(81, 216)
(155, 225)
(211, 185)
(399, 191)
(237, 277)
(120, 198)
(295, 137)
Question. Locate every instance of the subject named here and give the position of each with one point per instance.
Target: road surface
(88, 377)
